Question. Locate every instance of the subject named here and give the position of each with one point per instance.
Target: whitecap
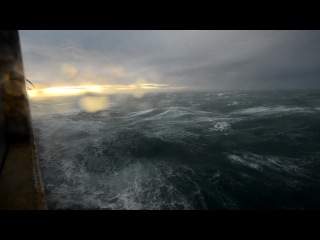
(134, 114)
(221, 126)
(270, 110)
(233, 104)
(243, 161)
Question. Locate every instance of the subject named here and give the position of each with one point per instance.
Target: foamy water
(226, 150)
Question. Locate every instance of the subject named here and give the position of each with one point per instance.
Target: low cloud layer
(217, 60)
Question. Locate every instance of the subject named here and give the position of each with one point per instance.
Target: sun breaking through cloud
(137, 89)
(199, 60)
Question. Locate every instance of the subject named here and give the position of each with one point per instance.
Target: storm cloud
(215, 60)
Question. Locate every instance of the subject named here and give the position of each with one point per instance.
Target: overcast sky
(217, 60)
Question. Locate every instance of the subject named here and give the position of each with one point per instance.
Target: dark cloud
(195, 59)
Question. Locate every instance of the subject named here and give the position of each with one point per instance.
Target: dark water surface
(208, 150)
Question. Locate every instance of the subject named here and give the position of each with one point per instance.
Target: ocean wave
(271, 110)
(170, 134)
(135, 186)
(233, 104)
(153, 111)
(152, 155)
(287, 165)
(220, 126)
(243, 161)
(70, 112)
(168, 115)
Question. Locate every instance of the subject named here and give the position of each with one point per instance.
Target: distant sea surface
(195, 150)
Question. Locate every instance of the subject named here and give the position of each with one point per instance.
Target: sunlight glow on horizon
(137, 89)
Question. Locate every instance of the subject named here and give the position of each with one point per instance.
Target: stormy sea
(183, 150)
